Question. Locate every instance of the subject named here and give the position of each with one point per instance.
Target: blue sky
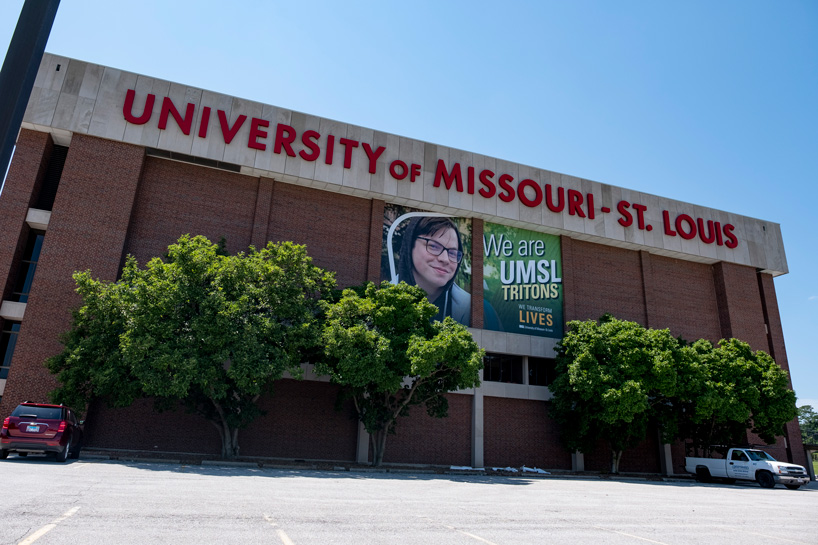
(714, 103)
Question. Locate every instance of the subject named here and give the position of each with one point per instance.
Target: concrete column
(577, 461)
(665, 460)
(362, 452)
(477, 453)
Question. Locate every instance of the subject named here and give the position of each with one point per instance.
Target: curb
(443, 471)
(228, 463)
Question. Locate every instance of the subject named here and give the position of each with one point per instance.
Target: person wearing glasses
(430, 255)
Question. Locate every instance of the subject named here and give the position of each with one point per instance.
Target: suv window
(44, 413)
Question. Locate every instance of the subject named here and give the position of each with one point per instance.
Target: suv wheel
(4, 454)
(75, 454)
(63, 454)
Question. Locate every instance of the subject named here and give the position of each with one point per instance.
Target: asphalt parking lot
(110, 502)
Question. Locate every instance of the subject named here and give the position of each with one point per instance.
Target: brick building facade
(102, 170)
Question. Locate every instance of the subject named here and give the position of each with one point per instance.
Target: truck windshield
(759, 455)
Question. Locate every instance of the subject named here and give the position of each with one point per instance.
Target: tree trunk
(230, 441)
(378, 446)
(616, 456)
(229, 436)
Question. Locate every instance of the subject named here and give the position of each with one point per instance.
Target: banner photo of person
(432, 251)
(522, 281)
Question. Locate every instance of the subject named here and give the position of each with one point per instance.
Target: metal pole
(20, 68)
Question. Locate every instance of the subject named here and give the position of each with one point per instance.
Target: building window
(28, 265)
(8, 339)
(503, 368)
(541, 371)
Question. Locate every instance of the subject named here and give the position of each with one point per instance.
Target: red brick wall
(334, 227)
(89, 222)
(680, 294)
(740, 304)
(302, 423)
(19, 193)
(373, 269)
(177, 198)
(140, 427)
(421, 439)
(644, 458)
(261, 218)
(602, 279)
(519, 432)
(684, 299)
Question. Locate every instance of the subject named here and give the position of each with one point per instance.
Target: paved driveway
(108, 502)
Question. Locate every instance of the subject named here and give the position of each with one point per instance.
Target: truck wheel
(703, 475)
(793, 486)
(765, 479)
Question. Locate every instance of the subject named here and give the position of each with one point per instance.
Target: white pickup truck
(750, 465)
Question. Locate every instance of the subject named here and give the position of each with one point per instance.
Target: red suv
(39, 427)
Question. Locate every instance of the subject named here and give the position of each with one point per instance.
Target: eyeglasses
(435, 248)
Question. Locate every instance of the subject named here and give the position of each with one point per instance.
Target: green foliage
(202, 327)
(740, 390)
(613, 379)
(808, 419)
(385, 353)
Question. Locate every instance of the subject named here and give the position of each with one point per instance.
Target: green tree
(387, 356)
(739, 390)
(209, 330)
(808, 419)
(615, 378)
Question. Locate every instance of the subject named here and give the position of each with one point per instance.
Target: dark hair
(420, 226)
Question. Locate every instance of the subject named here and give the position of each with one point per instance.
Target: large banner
(432, 251)
(522, 281)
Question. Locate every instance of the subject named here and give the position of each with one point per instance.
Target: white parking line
(285, 539)
(478, 538)
(48, 527)
(630, 535)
